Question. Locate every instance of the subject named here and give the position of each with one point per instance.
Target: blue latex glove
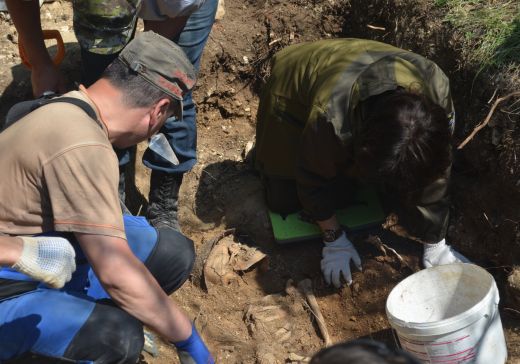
(193, 350)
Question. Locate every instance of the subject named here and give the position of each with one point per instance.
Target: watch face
(331, 235)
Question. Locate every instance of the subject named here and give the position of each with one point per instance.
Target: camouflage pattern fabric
(309, 120)
(327, 80)
(104, 26)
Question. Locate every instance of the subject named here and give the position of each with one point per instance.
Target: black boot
(163, 200)
(121, 188)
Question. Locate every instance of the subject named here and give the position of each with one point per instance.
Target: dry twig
(487, 119)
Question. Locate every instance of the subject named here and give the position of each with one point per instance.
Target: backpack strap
(79, 103)
(23, 108)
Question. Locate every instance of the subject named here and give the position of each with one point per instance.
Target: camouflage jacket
(308, 118)
(105, 26)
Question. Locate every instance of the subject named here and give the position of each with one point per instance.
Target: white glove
(48, 259)
(441, 254)
(336, 260)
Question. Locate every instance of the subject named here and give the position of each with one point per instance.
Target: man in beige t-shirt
(59, 178)
(65, 171)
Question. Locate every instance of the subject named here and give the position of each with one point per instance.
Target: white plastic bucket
(449, 314)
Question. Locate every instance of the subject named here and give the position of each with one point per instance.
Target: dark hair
(405, 140)
(362, 351)
(137, 91)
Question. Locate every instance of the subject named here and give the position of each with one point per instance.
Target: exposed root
(488, 118)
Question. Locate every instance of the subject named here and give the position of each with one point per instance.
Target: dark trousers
(282, 194)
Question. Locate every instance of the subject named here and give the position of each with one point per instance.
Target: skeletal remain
(217, 269)
(372, 239)
(268, 319)
(203, 254)
(305, 287)
(293, 357)
(266, 314)
(266, 357)
(244, 257)
(392, 224)
(226, 258)
(284, 333)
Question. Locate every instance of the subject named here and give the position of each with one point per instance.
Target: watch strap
(331, 235)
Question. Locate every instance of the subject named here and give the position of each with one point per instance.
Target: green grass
(490, 30)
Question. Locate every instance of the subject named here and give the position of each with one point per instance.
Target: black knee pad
(110, 335)
(171, 260)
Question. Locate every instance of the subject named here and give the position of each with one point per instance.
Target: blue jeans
(182, 134)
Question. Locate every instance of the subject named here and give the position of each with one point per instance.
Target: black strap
(79, 103)
(11, 287)
(23, 108)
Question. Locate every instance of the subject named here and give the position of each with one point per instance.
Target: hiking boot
(163, 200)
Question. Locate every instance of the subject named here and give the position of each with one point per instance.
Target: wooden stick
(305, 287)
(488, 117)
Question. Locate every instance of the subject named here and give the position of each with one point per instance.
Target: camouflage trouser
(104, 26)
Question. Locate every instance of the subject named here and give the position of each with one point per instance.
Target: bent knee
(172, 259)
(110, 335)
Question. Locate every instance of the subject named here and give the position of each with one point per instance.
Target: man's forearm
(26, 19)
(132, 286)
(10, 250)
(329, 224)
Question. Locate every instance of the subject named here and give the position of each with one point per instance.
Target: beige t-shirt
(58, 172)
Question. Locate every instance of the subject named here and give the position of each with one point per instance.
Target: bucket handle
(396, 340)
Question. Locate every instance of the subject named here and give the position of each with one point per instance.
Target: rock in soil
(513, 289)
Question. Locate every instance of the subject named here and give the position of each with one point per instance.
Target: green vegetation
(490, 30)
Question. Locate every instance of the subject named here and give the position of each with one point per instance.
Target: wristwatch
(331, 235)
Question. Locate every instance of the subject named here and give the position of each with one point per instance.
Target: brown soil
(254, 317)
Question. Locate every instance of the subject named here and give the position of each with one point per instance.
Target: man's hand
(48, 259)
(336, 260)
(45, 75)
(441, 254)
(193, 350)
(47, 78)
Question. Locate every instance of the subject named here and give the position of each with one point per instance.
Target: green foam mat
(367, 212)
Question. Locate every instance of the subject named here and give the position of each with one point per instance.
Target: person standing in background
(103, 28)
